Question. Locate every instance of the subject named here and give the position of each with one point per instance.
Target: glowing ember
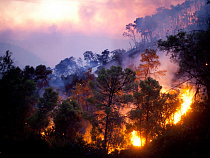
(186, 96)
(135, 139)
(43, 133)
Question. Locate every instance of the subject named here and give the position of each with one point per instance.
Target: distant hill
(21, 56)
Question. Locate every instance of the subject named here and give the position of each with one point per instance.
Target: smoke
(166, 64)
(172, 68)
(101, 18)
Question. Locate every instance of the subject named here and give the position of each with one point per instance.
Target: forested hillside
(111, 104)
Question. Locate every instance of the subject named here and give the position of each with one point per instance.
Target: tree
(68, 119)
(48, 101)
(150, 91)
(39, 120)
(191, 52)
(136, 114)
(6, 63)
(104, 57)
(81, 91)
(118, 55)
(90, 58)
(107, 88)
(41, 76)
(17, 98)
(66, 66)
(131, 33)
(149, 67)
(29, 72)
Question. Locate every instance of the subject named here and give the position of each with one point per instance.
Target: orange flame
(186, 96)
(136, 140)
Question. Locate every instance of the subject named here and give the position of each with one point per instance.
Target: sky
(57, 29)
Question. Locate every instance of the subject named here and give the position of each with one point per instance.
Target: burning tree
(191, 52)
(146, 100)
(82, 91)
(149, 65)
(40, 120)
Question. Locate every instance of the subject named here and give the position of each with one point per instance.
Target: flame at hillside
(186, 96)
(136, 140)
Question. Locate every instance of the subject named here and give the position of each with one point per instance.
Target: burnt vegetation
(94, 107)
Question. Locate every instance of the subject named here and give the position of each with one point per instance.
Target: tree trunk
(208, 91)
(107, 122)
(147, 123)
(140, 132)
(208, 95)
(105, 135)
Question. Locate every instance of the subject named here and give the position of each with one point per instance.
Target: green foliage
(39, 120)
(17, 99)
(150, 89)
(135, 114)
(68, 119)
(149, 103)
(110, 93)
(49, 100)
(191, 52)
(138, 98)
(41, 76)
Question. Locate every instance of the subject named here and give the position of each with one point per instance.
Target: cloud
(99, 18)
(61, 28)
(87, 11)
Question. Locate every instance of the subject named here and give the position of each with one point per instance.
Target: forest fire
(187, 96)
(136, 140)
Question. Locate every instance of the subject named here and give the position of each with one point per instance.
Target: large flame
(136, 140)
(187, 96)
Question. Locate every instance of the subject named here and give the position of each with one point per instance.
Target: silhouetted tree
(117, 55)
(190, 51)
(132, 34)
(17, 98)
(150, 91)
(6, 63)
(107, 87)
(39, 120)
(41, 76)
(68, 119)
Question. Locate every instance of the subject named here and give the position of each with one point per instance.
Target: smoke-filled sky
(56, 29)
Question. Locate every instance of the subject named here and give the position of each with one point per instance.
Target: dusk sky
(57, 29)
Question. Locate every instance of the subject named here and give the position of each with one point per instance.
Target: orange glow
(87, 135)
(56, 11)
(98, 18)
(43, 133)
(186, 96)
(135, 139)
